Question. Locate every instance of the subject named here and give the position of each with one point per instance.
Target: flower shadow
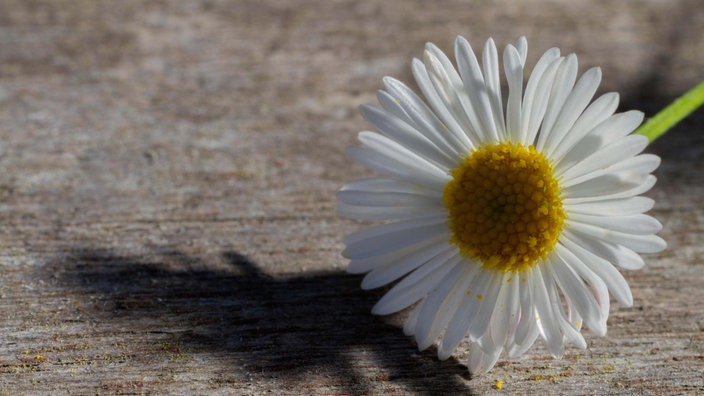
(273, 329)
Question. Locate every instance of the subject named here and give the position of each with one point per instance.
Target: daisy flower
(508, 221)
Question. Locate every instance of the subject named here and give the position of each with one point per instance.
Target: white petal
(450, 89)
(608, 187)
(407, 136)
(460, 322)
(644, 163)
(384, 212)
(442, 109)
(416, 285)
(613, 253)
(506, 310)
(638, 243)
(410, 324)
(612, 207)
(613, 128)
(634, 169)
(424, 119)
(564, 82)
(547, 319)
(639, 165)
(529, 111)
(393, 106)
(362, 265)
(384, 184)
(574, 318)
(570, 334)
(480, 362)
(527, 328)
(480, 324)
(490, 63)
(522, 46)
(574, 106)
(605, 157)
(536, 105)
(597, 287)
(388, 157)
(597, 112)
(376, 240)
(513, 68)
(526, 322)
(475, 87)
(637, 224)
(442, 304)
(576, 291)
(613, 279)
(393, 270)
(602, 295)
(386, 199)
(617, 126)
(517, 348)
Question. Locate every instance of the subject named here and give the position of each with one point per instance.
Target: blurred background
(167, 179)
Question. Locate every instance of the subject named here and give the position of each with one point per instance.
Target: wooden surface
(167, 179)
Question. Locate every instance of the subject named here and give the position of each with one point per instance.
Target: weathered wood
(167, 174)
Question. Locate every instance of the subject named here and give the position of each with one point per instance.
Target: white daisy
(509, 221)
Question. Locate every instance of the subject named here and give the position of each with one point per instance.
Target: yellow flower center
(504, 207)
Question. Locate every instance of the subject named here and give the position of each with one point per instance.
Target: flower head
(508, 221)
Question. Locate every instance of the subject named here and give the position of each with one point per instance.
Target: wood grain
(167, 179)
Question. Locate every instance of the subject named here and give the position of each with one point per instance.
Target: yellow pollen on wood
(505, 207)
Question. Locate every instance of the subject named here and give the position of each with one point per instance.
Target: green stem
(674, 113)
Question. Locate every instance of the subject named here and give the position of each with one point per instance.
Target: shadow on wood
(290, 330)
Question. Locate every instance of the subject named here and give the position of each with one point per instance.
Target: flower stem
(674, 113)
